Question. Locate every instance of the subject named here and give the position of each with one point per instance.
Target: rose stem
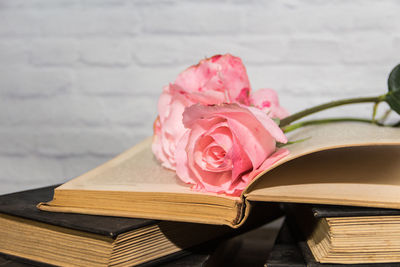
(295, 126)
(306, 112)
(375, 110)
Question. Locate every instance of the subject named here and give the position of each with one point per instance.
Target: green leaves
(393, 96)
(280, 145)
(277, 121)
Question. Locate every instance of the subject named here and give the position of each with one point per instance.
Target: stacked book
(30, 236)
(132, 211)
(321, 235)
(311, 235)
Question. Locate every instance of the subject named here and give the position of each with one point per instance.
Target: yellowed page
(136, 170)
(367, 174)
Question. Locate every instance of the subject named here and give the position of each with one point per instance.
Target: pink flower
(216, 80)
(223, 76)
(267, 100)
(168, 127)
(226, 146)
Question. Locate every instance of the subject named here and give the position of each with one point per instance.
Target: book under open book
(339, 163)
(346, 235)
(66, 239)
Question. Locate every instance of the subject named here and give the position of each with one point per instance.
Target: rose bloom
(216, 80)
(226, 146)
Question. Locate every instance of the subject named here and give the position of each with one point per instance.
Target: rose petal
(171, 105)
(279, 154)
(199, 149)
(237, 188)
(223, 73)
(269, 124)
(185, 150)
(157, 147)
(250, 125)
(240, 159)
(267, 100)
(221, 134)
(182, 169)
(211, 181)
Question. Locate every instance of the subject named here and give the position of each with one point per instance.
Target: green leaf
(394, 79)
(393, 96)
(277, 121)
(279, 145)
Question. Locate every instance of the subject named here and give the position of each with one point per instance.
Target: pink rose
(226, 146)
(224, 76)
(168, 127)
(267, 100)
(216, 80)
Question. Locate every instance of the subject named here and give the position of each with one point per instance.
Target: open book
(340, 163)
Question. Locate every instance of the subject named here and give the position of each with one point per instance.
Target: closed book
(348, 235)
(199, 256)
(289, 251)
(87, 240)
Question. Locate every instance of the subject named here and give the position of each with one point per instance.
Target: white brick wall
(79, 79)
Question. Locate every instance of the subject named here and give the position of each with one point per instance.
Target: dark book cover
(330, 211)
(325, 211)
(23, 204)
(306, 216)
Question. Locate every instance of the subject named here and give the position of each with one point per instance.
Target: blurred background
(80, 79)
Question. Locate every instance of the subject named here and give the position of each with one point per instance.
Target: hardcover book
(347, 235)
(289, 251)
(202, 255)
(339, 163)
(85, 240)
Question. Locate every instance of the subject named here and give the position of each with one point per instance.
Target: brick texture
(80, 79)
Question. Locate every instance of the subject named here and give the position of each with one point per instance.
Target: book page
(334, 135)
(359, 165)
(135, 170)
